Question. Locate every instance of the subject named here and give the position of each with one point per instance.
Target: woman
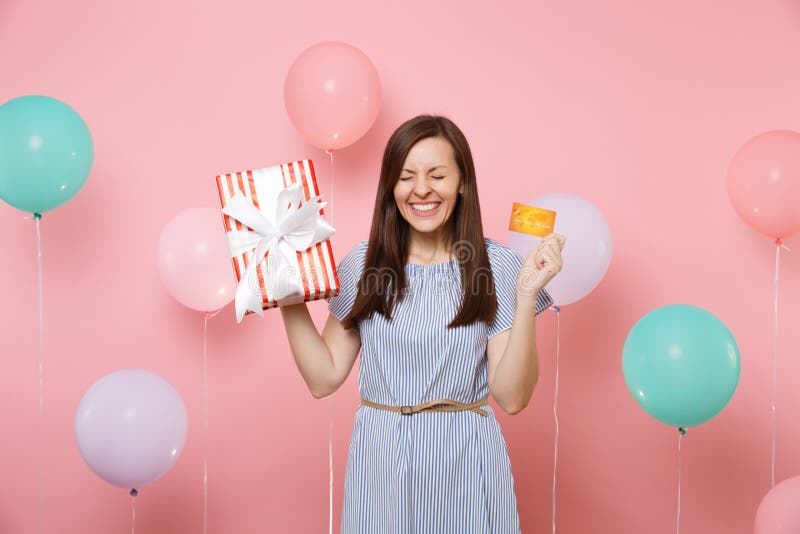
(443, 317)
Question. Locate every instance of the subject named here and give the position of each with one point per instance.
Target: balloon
(131, 427)
(332, 94)
(681, 364)
(779, 511)
(764, 183)
(46, 153)
(194, 260)
(587, 253)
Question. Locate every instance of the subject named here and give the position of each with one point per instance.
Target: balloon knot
(556, 309)
(779, 241)
(682, 431)
(37, 216)
(134, 493)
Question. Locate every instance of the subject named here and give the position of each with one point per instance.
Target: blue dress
(431, 472)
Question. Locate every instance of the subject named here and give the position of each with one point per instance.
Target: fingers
(552, 241)
(550, 259)
(555, 259)
(548, 253)
(556, 239)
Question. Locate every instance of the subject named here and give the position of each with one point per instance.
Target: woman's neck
(428, 248)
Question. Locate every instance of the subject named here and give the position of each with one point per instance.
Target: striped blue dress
(431, 472)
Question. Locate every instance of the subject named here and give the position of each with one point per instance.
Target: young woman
(443, 317)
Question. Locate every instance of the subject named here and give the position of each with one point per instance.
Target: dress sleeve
(348, 271)
(506, 263)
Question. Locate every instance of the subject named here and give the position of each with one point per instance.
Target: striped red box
(316, 265)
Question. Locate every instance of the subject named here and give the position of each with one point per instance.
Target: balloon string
(778, 245)
(330, 153)
(330, 399)
(330, 464)
(681, 431)
(205, 425)
(36, 218)
(557, 310)
(206, 317)
(133, 511)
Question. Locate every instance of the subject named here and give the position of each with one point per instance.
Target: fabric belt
(438, 405)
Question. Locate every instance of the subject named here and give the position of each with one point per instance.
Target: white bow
(295, 226)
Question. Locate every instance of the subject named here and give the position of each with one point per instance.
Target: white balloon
(587, 253)
(131, 427)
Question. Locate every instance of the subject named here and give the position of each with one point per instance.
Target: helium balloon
(779, 512)
(764, 183)
(46, 153)
(194, 260)
(587, 253)
(681, 364)
(131, 427)
(332, 94)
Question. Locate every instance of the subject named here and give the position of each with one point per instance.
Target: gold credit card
(531, 220)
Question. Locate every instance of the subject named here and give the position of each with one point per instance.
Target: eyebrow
(432, 168)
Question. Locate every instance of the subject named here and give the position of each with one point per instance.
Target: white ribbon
(295, 226)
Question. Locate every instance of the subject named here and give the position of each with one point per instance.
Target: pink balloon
(131, 427)
(194, 260)
(332, 94)
(764, 183)
(779, 511)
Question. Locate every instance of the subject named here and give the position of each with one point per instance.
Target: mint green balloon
(681, 364)
(46, 153)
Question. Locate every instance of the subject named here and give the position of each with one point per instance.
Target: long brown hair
(384, 278)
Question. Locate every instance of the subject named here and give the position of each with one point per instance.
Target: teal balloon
(681, 364)
(46, 153)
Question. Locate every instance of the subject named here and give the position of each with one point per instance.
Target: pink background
(637, 106)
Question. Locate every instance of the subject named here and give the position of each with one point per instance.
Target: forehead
(430, 152)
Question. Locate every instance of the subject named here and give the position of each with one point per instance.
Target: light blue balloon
(46, 153)
(681, 364)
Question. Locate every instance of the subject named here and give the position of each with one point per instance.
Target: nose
(421, 186)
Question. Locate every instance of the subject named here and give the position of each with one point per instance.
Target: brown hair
(384, 276)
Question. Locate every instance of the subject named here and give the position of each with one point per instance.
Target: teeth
(425, 207)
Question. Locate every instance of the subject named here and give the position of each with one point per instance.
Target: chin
(427, 228)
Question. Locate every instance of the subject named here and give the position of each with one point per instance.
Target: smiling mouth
(423, 208)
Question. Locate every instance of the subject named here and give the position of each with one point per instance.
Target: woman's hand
(540, 266)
